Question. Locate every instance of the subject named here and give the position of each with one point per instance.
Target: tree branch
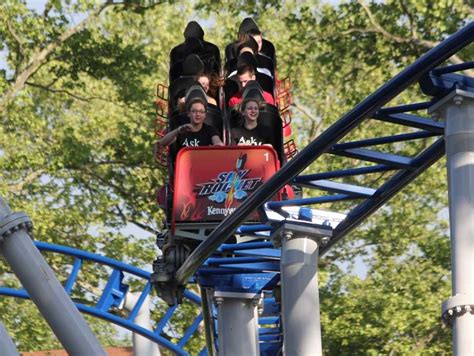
(378, 27)
(19, 42)
(122, 193)
(425, 340)
(119, 212)
(78, 97)
(40, 55)
(15, 36)
(28, 179)
(316, 123)
(137, 5)
(409, 15)
(455, 59)
(61, 91)
(133, 221)
(358, 30)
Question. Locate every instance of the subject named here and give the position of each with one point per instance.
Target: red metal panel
(211, 182)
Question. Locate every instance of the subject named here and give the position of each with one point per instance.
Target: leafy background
(77, 86)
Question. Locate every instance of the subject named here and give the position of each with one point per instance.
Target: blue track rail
(113, 294)
(435, 82)
(380, 163)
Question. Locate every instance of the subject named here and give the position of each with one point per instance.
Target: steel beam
(299, 287)
(7, 346)
(323, 143)
(42, 285)
(209, 321)
(458, 109)
(237, 323)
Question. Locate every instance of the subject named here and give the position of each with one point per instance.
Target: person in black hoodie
(248, 27)
(194, 43)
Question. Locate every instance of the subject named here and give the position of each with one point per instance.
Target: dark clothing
(261, 63)
(193, 30)
(194, 139)
(181, 51)
(255, 137)
(208, 52)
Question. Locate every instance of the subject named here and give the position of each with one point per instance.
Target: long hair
(214, 83)
(242, 106)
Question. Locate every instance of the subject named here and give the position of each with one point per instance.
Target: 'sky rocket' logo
(229, 185)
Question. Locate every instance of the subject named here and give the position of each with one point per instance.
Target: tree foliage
(76, 136)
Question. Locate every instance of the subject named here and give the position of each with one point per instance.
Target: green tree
(76, 144)
(76, 135)
(336, 56)
(394, 307)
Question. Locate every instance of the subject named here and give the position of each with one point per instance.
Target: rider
(196, 132)
(248, 132)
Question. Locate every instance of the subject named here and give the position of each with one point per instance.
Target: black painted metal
(388, 159)
(309, 201)
(404, 108)
(453, 68)
(352, 190)
(412, 121)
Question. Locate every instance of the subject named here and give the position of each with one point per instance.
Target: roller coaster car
(209, 184)
(206, 184)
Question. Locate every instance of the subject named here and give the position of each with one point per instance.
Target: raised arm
(170, 137)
